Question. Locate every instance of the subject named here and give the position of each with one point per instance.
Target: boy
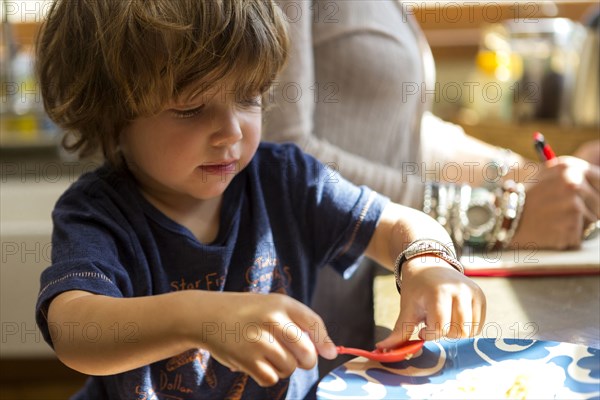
(181, 267)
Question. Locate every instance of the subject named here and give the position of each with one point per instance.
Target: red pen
(544, 150)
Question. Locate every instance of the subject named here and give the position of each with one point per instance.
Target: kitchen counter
(25, 230)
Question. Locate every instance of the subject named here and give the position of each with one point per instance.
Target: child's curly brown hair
(103, 63)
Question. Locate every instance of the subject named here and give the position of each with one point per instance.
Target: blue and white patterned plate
(474, 369)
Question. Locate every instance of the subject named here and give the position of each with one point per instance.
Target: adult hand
(266, 336)
(589, 151)
(561, 200)
(446, 301)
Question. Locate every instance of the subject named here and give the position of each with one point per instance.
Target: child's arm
(257, 334)
(433, 292)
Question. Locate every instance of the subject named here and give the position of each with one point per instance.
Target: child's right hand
(265, 336)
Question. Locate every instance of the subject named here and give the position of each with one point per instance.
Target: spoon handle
(404, 352)
(353, 351)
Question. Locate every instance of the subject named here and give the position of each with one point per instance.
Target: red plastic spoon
(404, 352)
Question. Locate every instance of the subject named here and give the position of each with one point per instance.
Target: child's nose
(228, 131)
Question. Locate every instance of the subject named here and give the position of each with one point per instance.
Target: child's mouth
(221, 168)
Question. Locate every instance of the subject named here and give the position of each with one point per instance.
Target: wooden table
(562, 309)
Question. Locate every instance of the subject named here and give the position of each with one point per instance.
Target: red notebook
(530, 261)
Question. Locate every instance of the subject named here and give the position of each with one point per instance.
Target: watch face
(479, 215)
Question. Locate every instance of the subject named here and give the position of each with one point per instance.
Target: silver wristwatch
(479, 218)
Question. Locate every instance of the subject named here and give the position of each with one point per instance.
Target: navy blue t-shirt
(283, 217)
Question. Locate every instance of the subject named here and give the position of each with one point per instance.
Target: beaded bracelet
(422, 247)
(440, 202)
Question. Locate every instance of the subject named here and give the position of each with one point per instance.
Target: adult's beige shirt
(355, 95)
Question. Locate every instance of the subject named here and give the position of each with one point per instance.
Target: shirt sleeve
(85, 254)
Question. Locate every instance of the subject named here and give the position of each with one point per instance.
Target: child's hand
(434, 293)
(266, 336)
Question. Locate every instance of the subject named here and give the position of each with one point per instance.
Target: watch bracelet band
(513, 200)
(429, 247)
(448, 204)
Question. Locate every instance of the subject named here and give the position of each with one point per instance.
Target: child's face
(193, 148)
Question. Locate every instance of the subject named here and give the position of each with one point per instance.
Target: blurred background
(504, 70)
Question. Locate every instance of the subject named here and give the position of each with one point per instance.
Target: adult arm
(562, 196)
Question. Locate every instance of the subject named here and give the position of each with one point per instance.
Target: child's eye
(190, 113)
(251, 102)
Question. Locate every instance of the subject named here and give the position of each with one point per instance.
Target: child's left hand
(434, 293)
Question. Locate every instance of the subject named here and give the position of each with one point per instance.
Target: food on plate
(508, 379)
